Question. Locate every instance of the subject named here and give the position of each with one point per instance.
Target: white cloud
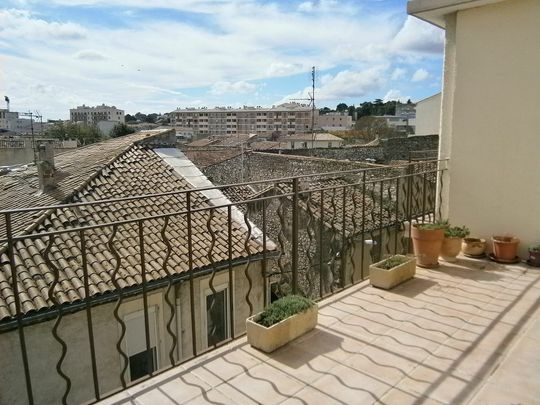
(148, 62)
(89, 54)
(284, 69)
(395, 95)
(419, 36)
(420, 75)
(306, 6)
(398, 73)
(345, 84)
(22, 24)
(230, 87)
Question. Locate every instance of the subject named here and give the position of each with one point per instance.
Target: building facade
(335, 120)
(428, 115)
(489, 121)
(286, 118)
(93, 115)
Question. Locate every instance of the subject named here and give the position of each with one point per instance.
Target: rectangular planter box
(387, 279)
(281, 333)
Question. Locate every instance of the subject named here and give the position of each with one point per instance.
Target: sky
(159, 55)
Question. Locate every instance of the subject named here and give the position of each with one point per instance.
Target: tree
(324, 110)
(140, 117)
(351, 109)
(372, 128)
(84, 134)
(121, 129)
(341, 107)
(130, 118)
(151, 118)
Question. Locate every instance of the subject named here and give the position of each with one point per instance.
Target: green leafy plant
(283, 308)
(535, 248)
(457, 232)
(432, 225)
(392, 262)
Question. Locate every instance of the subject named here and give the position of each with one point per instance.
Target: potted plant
(392, 271)
(427, 242)
(473, 247)
(281, 322)
(534, 256)
(453, 236)
(505, 248)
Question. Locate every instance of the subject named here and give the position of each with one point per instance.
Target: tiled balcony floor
(467, 332)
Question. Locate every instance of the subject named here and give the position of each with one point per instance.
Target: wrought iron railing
(111, 292)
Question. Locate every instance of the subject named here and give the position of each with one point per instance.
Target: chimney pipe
(45, 166)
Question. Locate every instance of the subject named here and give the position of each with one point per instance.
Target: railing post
(18, 314)
(294, 253)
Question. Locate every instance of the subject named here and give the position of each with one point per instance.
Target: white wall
(428, 116)
(490, 127)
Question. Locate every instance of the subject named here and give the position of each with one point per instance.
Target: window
(141, 361)
(329, 144)
(217, 328)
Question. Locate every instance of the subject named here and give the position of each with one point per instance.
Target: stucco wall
(44, 351)
(428, 115)
(490, 126)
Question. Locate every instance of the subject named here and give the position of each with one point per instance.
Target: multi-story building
(335, 120)
(286, 118)
(93, 115)
(10, 121)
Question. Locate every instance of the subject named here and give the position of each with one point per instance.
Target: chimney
(45, 166)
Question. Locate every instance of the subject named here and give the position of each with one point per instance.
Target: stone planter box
(386, 279)
(281, 333)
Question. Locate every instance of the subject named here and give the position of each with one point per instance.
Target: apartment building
(93, 115)
(288, 118)
(334, 120)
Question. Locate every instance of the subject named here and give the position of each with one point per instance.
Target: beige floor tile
(445, 386)
(350, 386)
(310, 395)
(301, 364)
(265, 382)
(210, 397)
(398, 397)
(222, 368)
(380, 363)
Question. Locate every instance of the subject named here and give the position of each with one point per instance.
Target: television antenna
(33, 115)
(311, 100)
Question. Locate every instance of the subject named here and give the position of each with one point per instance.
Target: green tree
(83, 134)
(371, 128)
(121, 129)
(130, 118)
(341, 107)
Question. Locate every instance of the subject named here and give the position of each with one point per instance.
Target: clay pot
(450, 248)
(473, 246)
(505, 247)
(427, 244)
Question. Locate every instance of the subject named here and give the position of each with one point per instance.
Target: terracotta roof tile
(128, 169)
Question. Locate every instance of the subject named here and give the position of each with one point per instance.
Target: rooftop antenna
(311, 99)
(32, 115)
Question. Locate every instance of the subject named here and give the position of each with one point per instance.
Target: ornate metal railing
(107, 293)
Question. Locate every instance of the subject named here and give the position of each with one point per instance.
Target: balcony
(465, 333)
(144, 297)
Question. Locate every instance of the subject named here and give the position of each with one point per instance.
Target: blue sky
(157, 55)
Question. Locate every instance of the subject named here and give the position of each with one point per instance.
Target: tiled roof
(202, 142)
(209, 157)
(113, 253)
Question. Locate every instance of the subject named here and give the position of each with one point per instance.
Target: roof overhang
(434, 11)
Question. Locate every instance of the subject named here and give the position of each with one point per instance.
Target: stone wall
(266, 166)
(389, 149)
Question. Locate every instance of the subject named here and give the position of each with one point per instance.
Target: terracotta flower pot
(505, 247)
(427, 244)
(473, 246)
(450, 248)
